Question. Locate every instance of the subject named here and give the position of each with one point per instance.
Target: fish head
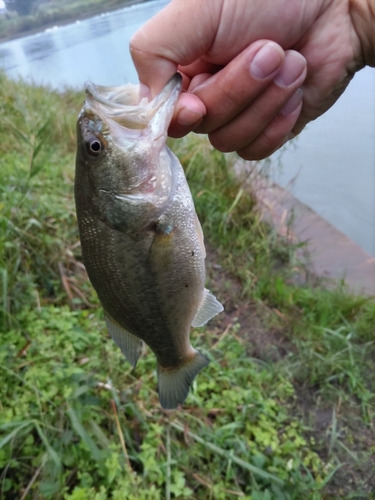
(121, 138)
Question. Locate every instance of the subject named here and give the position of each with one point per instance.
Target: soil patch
(338, 429)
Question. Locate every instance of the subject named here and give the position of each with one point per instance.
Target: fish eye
(95, 147)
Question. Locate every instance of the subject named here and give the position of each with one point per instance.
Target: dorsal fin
(208, 308)
(129, 344)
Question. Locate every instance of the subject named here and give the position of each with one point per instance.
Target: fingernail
(292, 67)
(293, 103)
(266, 60)
(188, 117)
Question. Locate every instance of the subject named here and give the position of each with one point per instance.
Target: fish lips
(121, 105)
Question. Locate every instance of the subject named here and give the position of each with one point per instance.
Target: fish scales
(141, 240)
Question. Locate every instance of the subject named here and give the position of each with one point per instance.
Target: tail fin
(174, 384)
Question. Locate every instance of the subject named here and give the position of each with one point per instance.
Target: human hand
(221, 48)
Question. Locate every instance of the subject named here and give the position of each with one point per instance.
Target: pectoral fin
(161, 255)
(129, 344)
(208, 308)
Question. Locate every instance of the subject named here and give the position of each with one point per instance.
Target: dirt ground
(272, 344)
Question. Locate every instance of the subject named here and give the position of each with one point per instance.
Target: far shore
(91, 12)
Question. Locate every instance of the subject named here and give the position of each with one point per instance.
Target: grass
(285, 409)
(55, 11)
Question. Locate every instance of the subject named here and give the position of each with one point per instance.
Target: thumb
(178, 35)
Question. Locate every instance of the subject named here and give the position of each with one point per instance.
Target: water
(95, 49)
(333, 159)
(331, 167)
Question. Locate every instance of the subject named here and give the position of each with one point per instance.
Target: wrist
(362, 13)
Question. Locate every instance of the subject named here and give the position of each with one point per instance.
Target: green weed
(77, 423)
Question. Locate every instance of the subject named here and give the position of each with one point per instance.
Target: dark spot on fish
(192, 253)
(186, 286)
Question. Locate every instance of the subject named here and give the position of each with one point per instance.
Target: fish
(142, 243)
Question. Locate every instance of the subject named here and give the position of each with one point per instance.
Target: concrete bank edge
(331, 253)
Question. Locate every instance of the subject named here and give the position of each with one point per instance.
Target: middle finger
(231, 90)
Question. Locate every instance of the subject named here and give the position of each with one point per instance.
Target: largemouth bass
(142, 243)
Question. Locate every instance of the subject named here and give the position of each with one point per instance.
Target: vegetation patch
(284, 410)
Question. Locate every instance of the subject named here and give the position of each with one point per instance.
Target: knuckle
(232, 98)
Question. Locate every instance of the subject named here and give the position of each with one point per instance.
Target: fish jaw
(123, 106)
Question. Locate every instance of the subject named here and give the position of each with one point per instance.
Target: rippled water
(95, 49)
(332, 162)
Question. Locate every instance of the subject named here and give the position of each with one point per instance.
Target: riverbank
(285, 408)
(328, 252)
(52, 14)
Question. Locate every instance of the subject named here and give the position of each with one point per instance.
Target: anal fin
(208, 308)
(129, 344)
(174, 384)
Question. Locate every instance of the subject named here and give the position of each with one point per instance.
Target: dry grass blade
(225, 332)
(32, 481)
(122, 440)
(201, 480)
(65, 283)
(80, 295)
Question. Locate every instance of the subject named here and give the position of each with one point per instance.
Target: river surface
(330, 167)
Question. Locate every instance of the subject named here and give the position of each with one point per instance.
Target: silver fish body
(142, 243)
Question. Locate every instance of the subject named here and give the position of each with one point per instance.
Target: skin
(255, 71)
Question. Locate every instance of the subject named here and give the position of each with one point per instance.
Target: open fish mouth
(122, 105)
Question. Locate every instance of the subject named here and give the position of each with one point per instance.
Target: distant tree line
(22, 7)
